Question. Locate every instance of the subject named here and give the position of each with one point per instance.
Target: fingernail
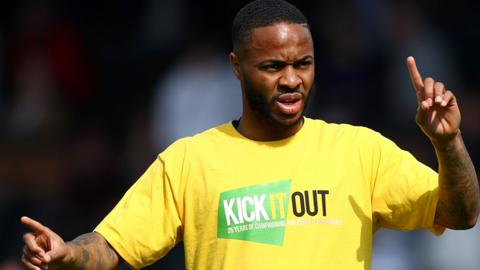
(425, 105)
(438, 99)
(444, 103)
(430, 102)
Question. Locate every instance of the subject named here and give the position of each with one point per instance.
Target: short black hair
(262, 13)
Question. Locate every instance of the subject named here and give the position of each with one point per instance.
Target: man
(277, 190)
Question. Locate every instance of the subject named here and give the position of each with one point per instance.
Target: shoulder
(198, 142)
(336, 131)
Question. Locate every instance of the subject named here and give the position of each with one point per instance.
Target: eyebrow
(277, 61)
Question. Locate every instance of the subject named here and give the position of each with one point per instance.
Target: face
(276, 70)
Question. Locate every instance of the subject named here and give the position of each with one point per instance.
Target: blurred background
(92, 91)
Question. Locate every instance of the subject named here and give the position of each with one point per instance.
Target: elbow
(461, 226)
(458, 216)
(458, 220)
(472, 220)
(466, 226)
(466, 223)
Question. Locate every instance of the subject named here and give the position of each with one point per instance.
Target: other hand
(438, 115)
(43, 248)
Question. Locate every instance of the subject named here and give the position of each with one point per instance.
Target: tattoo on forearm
(459, 191)
(93, 253)
(85, 258)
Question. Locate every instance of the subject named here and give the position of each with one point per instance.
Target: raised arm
(44, 249)
(439, 118)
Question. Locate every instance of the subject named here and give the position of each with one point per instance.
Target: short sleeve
(146, 223)
(405, 193)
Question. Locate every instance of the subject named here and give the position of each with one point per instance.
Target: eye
(272, 67)
(304, 64)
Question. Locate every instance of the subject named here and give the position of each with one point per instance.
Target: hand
(438, 115)
(43, 248)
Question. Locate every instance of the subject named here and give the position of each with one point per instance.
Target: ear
(235, 64)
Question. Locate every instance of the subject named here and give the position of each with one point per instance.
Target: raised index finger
(34, 225)
(414, 74)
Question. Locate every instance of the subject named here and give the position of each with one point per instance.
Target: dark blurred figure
(49, 80)
(49, 72)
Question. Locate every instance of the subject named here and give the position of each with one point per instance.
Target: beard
(263, 106)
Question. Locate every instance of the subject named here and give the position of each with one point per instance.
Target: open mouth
(289, 103)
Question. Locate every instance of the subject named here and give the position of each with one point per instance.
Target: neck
(263, 130)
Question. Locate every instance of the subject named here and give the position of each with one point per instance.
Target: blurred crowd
(92, 91)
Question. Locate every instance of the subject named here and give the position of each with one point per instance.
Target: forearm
(459, 198)
(91, 251)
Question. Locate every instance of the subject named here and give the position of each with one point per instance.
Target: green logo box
(255, 213)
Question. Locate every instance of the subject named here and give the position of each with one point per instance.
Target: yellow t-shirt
(311, 201)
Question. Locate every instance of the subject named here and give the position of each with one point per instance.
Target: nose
(289, 78)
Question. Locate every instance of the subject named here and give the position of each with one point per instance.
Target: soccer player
(275, 189)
